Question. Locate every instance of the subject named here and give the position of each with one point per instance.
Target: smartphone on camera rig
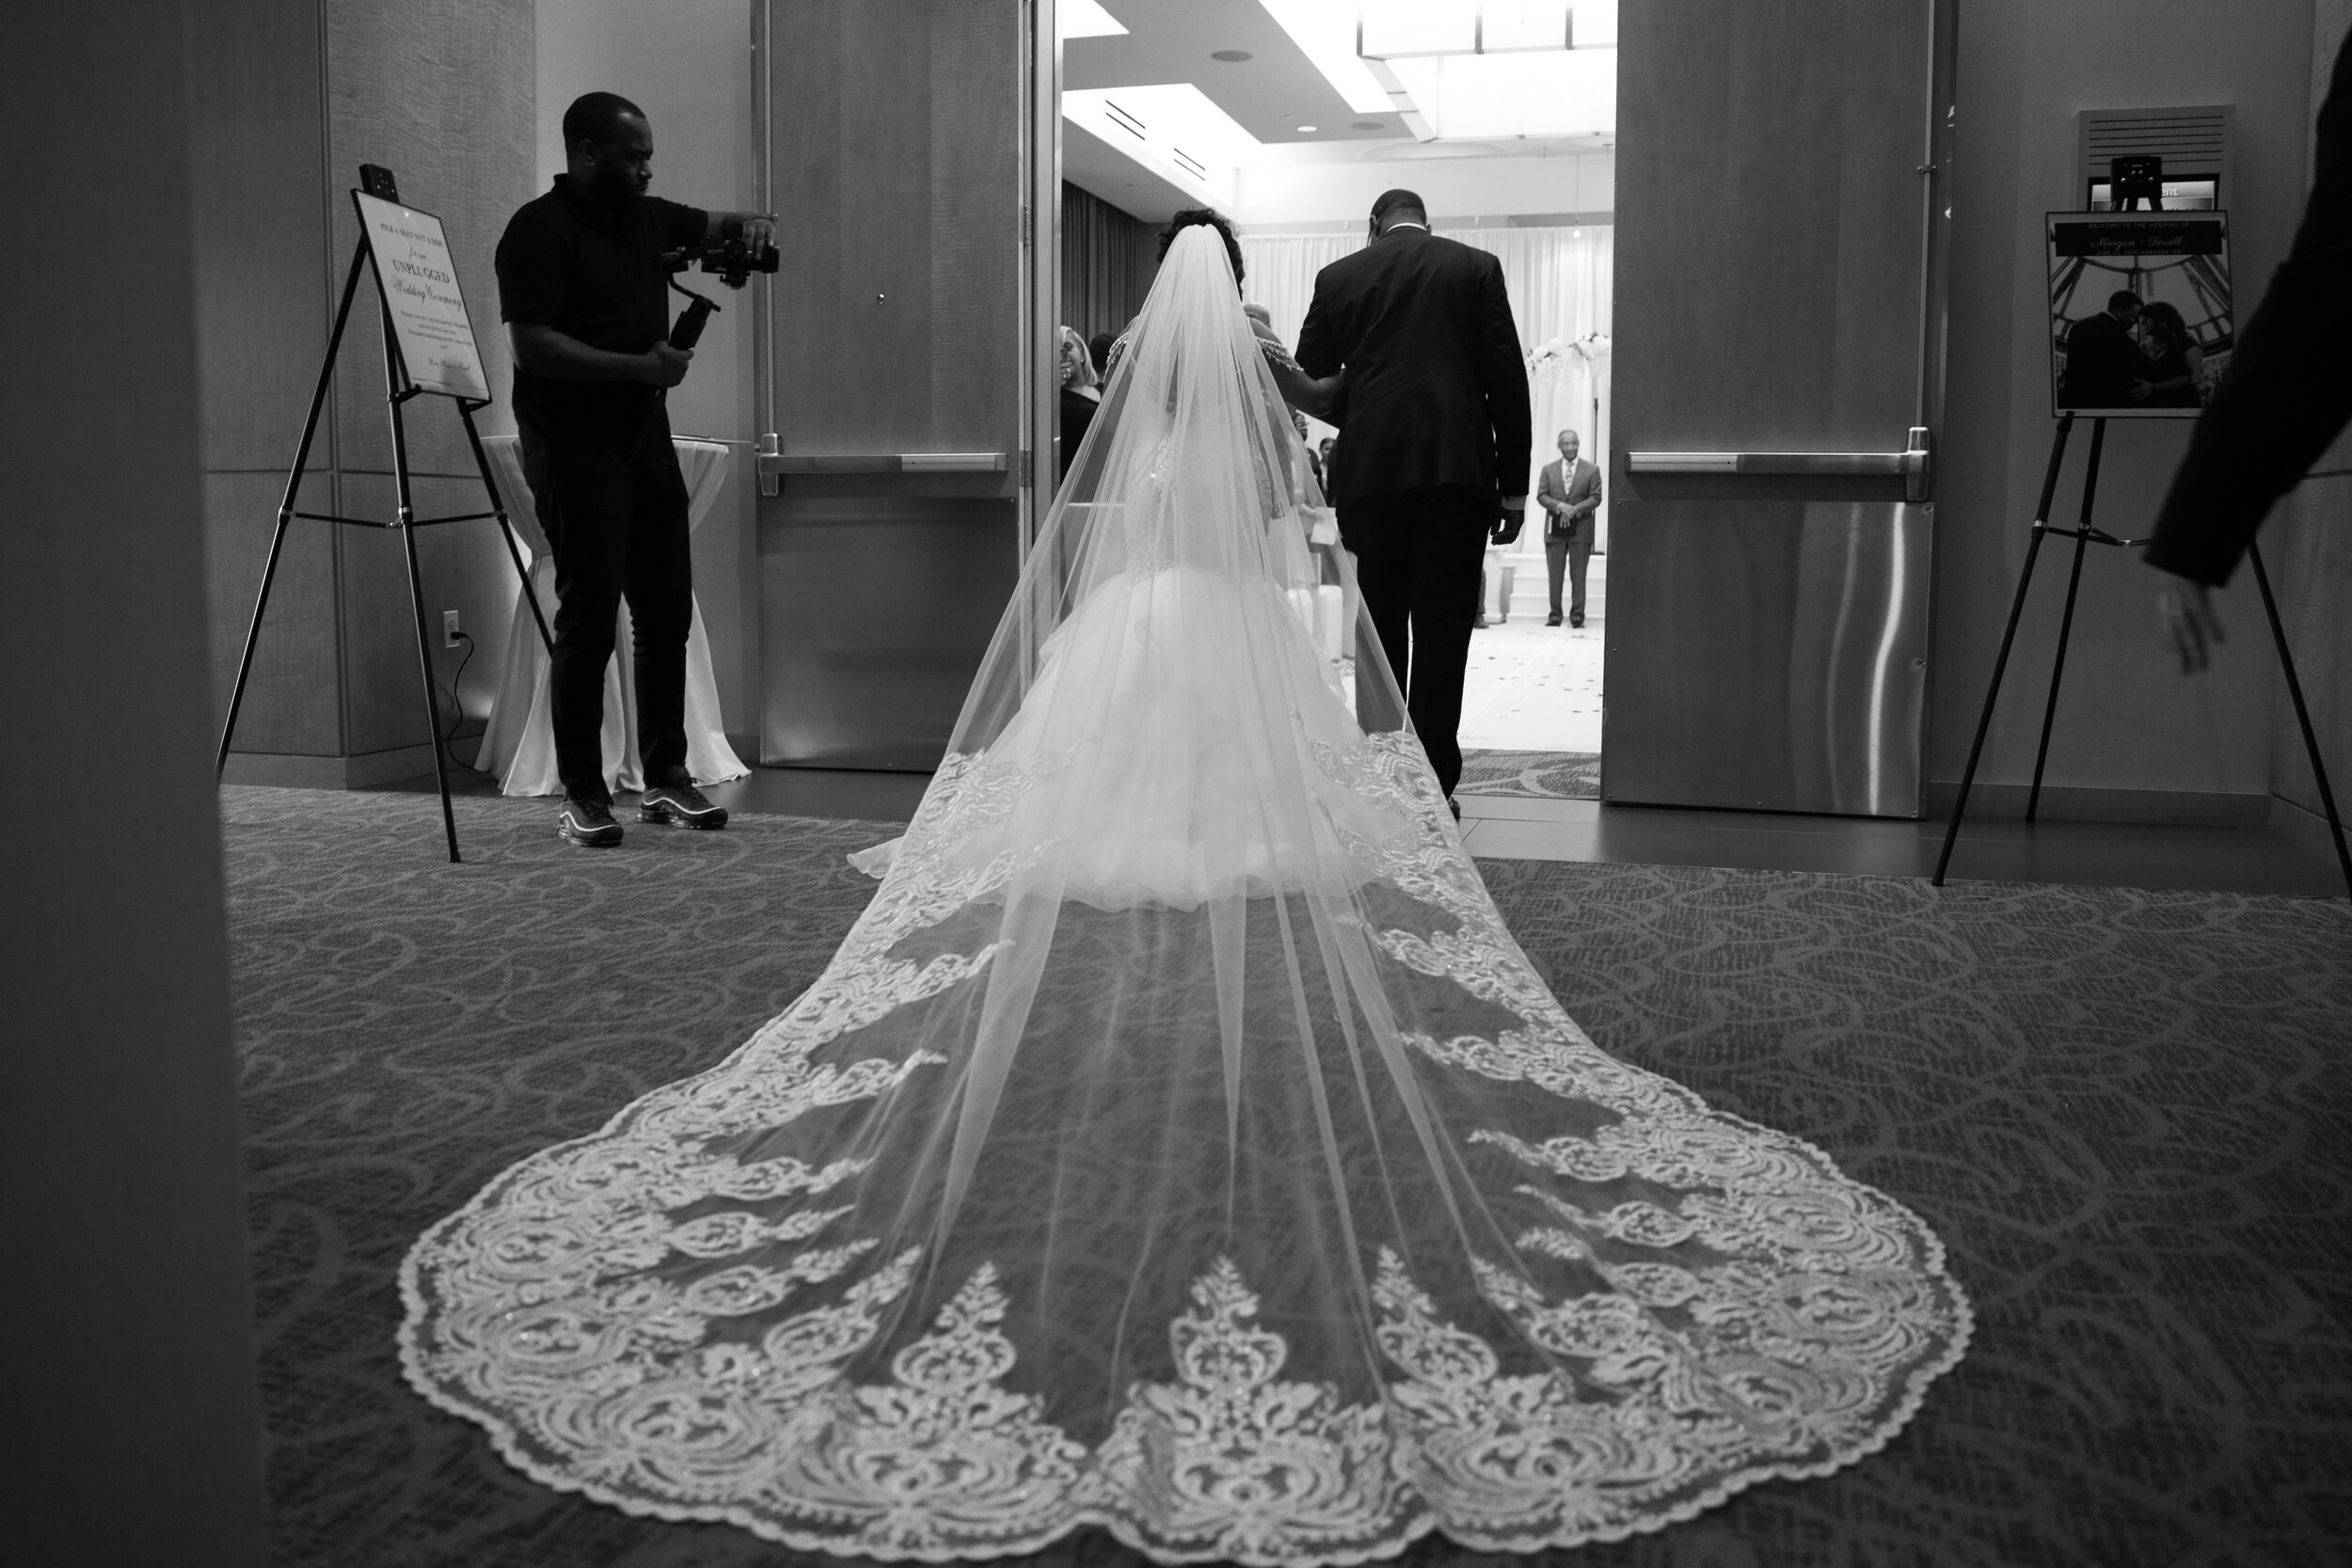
(734, 261)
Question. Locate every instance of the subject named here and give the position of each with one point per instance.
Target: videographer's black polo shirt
(601, 282)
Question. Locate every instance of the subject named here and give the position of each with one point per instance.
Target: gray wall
(129, 1364)
(2126, 722)
(2308, 544)
(291, 97)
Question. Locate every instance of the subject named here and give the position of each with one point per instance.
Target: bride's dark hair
(1203, 218)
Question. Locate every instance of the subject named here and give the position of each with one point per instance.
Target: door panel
(1793, 635)
(899, 152)
(1778, 292)
(874, 669)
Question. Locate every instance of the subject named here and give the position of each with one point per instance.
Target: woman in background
(2171, 365)
(1080, 395)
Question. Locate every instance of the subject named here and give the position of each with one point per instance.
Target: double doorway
(1756, 618)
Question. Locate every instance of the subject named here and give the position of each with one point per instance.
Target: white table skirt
(518, 745)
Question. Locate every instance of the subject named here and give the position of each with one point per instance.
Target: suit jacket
(1437, 392)
(2102, 361)
(1077, 414)
(1559, 496)
(2286, 394)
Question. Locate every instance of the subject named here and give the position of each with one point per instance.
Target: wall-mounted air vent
(2194, 142)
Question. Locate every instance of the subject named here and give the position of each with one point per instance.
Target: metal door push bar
(1910, 465)
(886, 463)
(1820, 464)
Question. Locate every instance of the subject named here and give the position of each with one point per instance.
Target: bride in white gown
(1179, 1144)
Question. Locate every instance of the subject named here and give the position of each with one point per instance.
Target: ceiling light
(1401, 29)
(1306, 130)
(1557, 92)
(1367, 125)
(1084, 19)
(1594, 25)
(1504, 25)
(1230, 56)
(1325, 31)
(1397, 29)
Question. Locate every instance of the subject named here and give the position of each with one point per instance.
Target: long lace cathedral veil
(1179, 1144)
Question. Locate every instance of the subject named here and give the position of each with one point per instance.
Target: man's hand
(2191, 628)
(753, 228)
(1510, 516)
(666, 366)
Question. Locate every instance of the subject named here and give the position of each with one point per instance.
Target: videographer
(584, 292)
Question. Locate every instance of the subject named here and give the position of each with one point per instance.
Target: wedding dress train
(1179, 1144)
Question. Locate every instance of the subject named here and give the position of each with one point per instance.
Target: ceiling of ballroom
(1270, 94)
(1284, 107)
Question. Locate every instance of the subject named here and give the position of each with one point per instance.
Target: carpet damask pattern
(2126, 1113)
(1542, 775)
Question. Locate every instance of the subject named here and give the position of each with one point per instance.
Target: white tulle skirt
(1182, 803)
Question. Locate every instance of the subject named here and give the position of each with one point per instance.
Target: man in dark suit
(2103, 357)
(2285, 396)
(1436, 431)
(1569, 493)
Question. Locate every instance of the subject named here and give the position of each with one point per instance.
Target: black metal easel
(398, 389)
(2085, 534)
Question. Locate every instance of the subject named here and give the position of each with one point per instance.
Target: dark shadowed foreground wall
(124, 1345)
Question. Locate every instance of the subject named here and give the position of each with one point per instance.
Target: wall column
(293, 96)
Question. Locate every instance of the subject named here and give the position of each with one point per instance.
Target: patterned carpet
(2125, 1112)
(1545, 775)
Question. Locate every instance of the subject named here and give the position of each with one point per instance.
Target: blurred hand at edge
(2191, 628)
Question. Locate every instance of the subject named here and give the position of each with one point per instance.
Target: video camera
(734, 261)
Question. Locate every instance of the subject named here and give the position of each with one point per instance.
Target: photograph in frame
(2157, 354)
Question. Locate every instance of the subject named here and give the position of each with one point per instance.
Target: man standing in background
(1569, 493)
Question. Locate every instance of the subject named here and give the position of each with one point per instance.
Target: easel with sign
(428, 347)
(2134, 181)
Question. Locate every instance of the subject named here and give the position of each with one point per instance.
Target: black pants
(1418, 557)
(615, 535)
(1558, 552)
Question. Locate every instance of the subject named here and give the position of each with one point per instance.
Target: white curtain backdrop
(1561, 282)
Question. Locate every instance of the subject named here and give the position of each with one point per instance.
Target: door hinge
(1024, 224)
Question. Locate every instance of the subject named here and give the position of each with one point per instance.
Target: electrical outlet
(449, 628)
